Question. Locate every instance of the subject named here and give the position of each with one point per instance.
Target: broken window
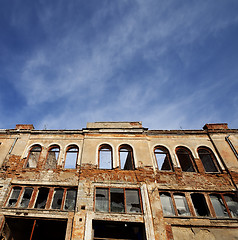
(71, 157)
(163, 159)
(232, 204)
(57, 199)
(62, 198)
(117, 200)
(70, 200)
(42, 198)
(167, 204)
(14, 196)
(181, 204)
(121, 200)
(208, 159)
(218, 206)
(52, 157)
(33, 156)
(105, 157)
(102, 200)
(26, 197)
(200, 204)
(126, 157)
(133, 201)
(185, 159)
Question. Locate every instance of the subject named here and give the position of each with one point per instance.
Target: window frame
(222, 195)
(191, 158)
(34, 197)
(67, 150)
(109, 148)
(130, 149)
(109, 200)
(212, 157)
(174, 206)
(165, 151)
(49, 150)
(208, 203)
(29, 153)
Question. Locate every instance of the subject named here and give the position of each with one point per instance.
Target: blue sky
(170, 64)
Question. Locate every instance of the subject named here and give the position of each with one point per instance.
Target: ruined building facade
(118, 180)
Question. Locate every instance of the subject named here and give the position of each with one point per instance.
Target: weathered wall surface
(197, 233)
(16, 144)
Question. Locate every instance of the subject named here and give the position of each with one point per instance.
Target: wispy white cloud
(93, 64)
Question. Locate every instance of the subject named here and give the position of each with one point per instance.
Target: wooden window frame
(105, 146)
(109, 200)
(213, 158)
(167, 155)
(29, 153)
(67, 149)
(49, 149)
(191, 158)
(130, 149)
(34, 195)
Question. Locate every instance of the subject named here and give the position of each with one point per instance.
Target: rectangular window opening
(42, 198)
(34, 229)
(200, 204)
(70, 200)
(107, 230)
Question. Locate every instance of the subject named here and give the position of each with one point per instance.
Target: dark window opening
(105, 157)
(126, 158)
(33, 229)
(200, 204)
(163, 159)
(70, 200)
(61, 198)
(58, 198)
(208, 160)
(26, 197)
(52, 157)
(33, 157)
(117, 200)
(185, 160)
(42, 198)
(106, 230)
(71, 157)
(14, 196)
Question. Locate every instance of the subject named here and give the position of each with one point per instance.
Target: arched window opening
(163, 159)
(200, 204)
(126, 158)
(71, 157)
(52, 157)
(185, 159)
(105, 157)
(33, 156)
(208, 159)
